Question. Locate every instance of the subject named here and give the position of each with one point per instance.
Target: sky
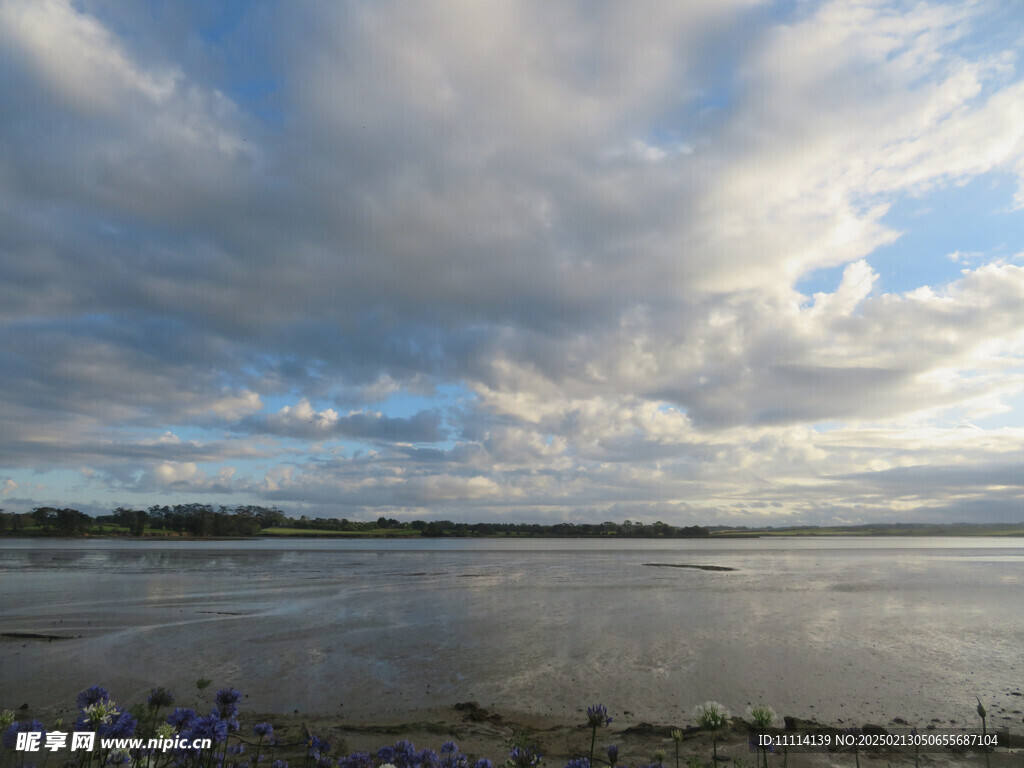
(714, 262)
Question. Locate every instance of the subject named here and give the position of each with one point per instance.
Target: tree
(44, 517)
(71, 521)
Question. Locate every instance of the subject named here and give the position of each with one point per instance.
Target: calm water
(847, 629)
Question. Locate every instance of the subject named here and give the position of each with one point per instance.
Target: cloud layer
(463, 260)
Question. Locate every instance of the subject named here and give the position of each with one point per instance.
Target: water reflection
(883, 626)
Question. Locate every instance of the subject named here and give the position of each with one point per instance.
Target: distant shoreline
(203, 521)
(989, 530)
(717, 535)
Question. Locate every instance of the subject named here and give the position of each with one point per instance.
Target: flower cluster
(160, 697)
(263, 730)
(227, 706)
(712, 716)
(98, 713)
(597, 716)
(188, 725)
(10, 737)
(523, 757)
(762, 716)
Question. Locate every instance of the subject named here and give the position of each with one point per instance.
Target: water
(852, 629)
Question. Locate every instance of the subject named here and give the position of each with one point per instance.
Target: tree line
(246, 520)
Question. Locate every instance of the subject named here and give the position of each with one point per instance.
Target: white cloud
(591, 219)
(78, 57)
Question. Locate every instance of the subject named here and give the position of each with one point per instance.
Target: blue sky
(732, 262)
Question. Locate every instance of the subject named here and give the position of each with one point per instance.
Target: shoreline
(486, 733)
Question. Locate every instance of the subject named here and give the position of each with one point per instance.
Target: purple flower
(403, 754)
(92, 695)
(448, 747)
(578, 762)
(181, 718)
(318, 747)
(10, 737)
(613, 754)
(483, 763)
(428, 758)
(355, 760)
(279, 764)
(597, 716)
(227, 706)
(209, 727)
(523, 757)
(160, 697)
(228, 696)
(120, 727)
(263, 729)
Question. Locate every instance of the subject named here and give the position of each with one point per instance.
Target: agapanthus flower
(355, 760)
(761, 715)
(711, 715)
(523, 757)
(428, 758)
(597, 716)
(121, 725)
(227, 706)
(578, 762)
(227, 696)
(279, 764)
(263, 730)
(96, 715)
(209, 727)
(92, 695)
(483, 763)
(160, 697)
(404, 754)
(318, 747)
(181, 717)
(613, 754)
(386, 755)
(10, 737)
(448, 747)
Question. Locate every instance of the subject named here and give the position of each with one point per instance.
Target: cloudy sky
(710, 261)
